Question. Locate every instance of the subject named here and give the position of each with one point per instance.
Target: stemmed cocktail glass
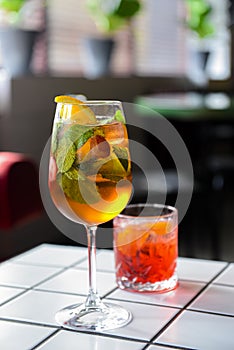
(90, 183)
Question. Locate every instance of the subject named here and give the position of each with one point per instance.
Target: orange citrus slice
(67, 99)
(139, 233)
(75, 110)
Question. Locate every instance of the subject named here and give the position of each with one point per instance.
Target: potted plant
(17, 34)
(198, 18)
(109, 17)
(199, 23)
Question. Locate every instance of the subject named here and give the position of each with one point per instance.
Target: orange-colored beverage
(146, 251)
(90, 183)
(90, 172)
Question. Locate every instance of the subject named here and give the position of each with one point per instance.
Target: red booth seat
(20, 199)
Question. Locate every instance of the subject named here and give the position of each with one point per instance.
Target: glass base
(158, 287)
(105, 317)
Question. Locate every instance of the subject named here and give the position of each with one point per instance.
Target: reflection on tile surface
(41, 307)
(76, 281)
(37, 284)
(105, 261)
(36, 306)
(16, 336)
(52, 255)
(216, 298)
(73, 341)
(177, 298)
(147, 320)
(227, 277)
(198, 330)
(24, 275)
(198, 270)
(158, 347)
(7, 293)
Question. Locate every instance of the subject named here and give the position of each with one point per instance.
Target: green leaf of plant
(12, 5)
(119, 117)
(112, 15)
(128, 8)
(199, 17)
(113, 23)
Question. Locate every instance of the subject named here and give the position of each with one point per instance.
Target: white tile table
(199, 314)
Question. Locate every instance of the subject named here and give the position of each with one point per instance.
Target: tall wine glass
(90, 183)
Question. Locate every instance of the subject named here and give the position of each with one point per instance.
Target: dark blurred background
(172, 57)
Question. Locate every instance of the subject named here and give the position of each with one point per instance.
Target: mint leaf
(65, 155)
(72, 174)
(119, 117)
(75, 137)
(79, 134)
(77, 187)
(122, 155)
(84, 138)
(54, 141)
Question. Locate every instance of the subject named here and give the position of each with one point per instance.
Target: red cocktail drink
(146, 250)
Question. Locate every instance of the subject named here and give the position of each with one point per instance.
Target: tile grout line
(14, 297)
(45, 245)
(168, 346)
(189, 303)
(74, 264)
(45, 265)
(223, 284)
(59, 328)
(35, 287)
(45, 339)
(36, 264)
(106, 295)
(108, 335)
(210, 313)
(56, 273)
(145, 303)
(61, 270)
(110, 292)
(30, 323)
(206, 286)
(10, 286)
(32, 288)
(14, 259)
(59, 292)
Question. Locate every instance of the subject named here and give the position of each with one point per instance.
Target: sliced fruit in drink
(112, 169)
(115, 133)
(75, 110)
(108, 190)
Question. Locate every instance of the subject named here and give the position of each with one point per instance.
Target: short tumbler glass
(146, 248)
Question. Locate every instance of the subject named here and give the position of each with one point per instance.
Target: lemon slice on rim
(75, 110)
(67, 99)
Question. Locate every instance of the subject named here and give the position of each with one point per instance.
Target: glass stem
(93, 299)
